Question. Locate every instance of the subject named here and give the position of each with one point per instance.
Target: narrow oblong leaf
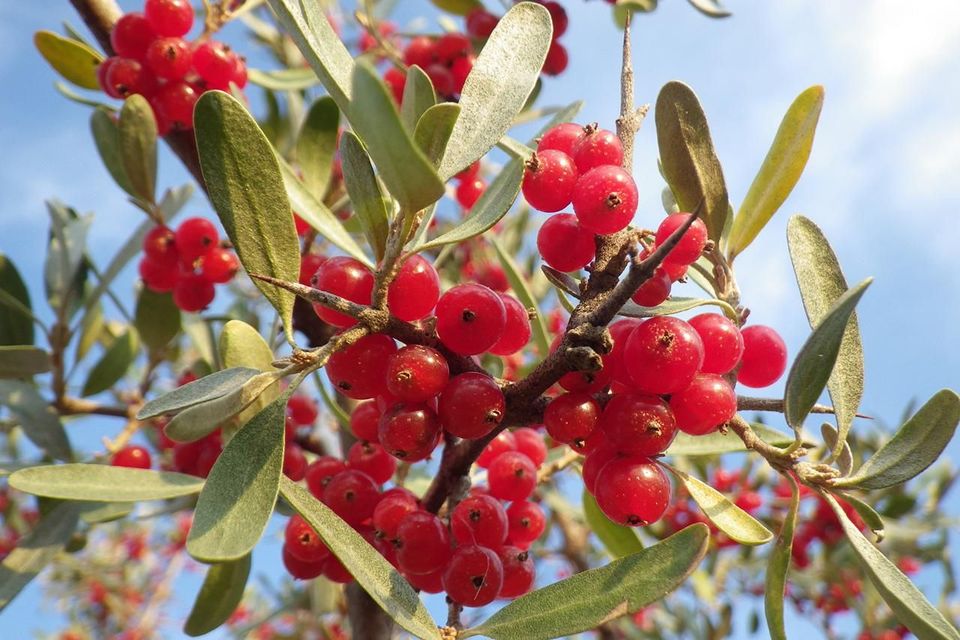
(40, 423)
(522, 291)
(821, 283)
(205, 389)
(739, 525)
(909, 605)
(590, 598)
(619, 541)
(23, 361)
(284, 79)
(73, 60)
(689, 162)
(916, 445)
(138, 146)
(103, 483)
(813, 365)
(716, 443)
(418, 96)
(243, 179)
(710, 8)
(99, 512)
(869, 515)
(779, 566)
(368, 202)
(113, 364)
(830, 438)
(497, 88)
(675, 305)
(515, 148)
(36, 550)
(106, 135)
(63, 270)
(377, 576)
(433, 129)
(317, 144)
(16, 317)
(238, 497)
(780, 171)
(219, 596)
(407, 173)
(156, 318)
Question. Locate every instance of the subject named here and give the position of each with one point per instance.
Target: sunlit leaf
(73, 60)
(619, 541)
(103, 483)
(207, 388)
(283, 79)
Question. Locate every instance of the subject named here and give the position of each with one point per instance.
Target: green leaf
(106, 135)
(869, 515)
(242, 346)
(405, 170)
(515, 148)
(310, 29)
(99, 512)
(369, 204)
(675, 305)
(418, 96)
(813, 365)
(73, 60)
(40, 423)
(487, 211)
(588, 599)
(36, 550)
(780, 171)
(909, 605)
(238, 497)
(716, 443)
(687, 156)
(68, 93)
(246, 189)
(92, 327)
(821, 283)
(22, 361)
(63, 268)
(779, 566)
(377, 576)
(739, 525)
(522, 291)
(916, 445)
(207, 388)
(845, 460)
(458, 7)
(284, 79)
(16, 317)
(317, 144)
(113, 364)
(219, 596)
(318, 216)
(157, 318)
(103, 483)
(710, 8)
(497, 88)
(620, 541)
(138, 146)
(434, 128)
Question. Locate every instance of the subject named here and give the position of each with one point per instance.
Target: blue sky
(881, 180)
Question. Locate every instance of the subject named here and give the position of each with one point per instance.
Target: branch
(746, 403)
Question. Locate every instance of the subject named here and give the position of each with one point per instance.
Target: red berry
(632, 491)
(722, 342)
(215, 63)
(474, 576)
(397, 81)
(557, 59)
(428, 582)
(169, 17)
(749, 501)
(335, 571)
(365, 420)
(302, 410)
(219, 265)
(299, 569)
(562, 137)
(764, 357)
(352, 495)
(309, 264)
(655, 290)
(559, 17)
(605, 199)
(469, 191)
(194, 237)
(470, 319)
(240, 76)
(526, 522)
(504, 442)
(347, 278)
(302, 541)
(442, 81)
(169, 58)
(519, 572)
(531, 444)
(596, 148)
(460, 70)
(512, 476)
(451, 46)
(157, 276)
(708, 402)
(416, 373)
(692, 242)
(294, 462)
(103, 70)
(421, 51)
(133, 457)
(131, 36)
(479, 519)
(516, 332)
(391, 511)
(359, 371)
(471, 405)
(564, 244)
(174, 102)
(549, 180)
(193, 293)
(410, 432)
(571, 417)
(470, 172)
(126, 77)
(583, 381)
(370, 458)
(423, 543)
(481, 23)
(595, 461)
(638, 424)
(615, 361)
(663, 354)
(414, 292)
(321, 471)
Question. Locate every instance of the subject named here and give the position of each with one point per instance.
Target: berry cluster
(188, 262)
(481, 23)
(154, 60)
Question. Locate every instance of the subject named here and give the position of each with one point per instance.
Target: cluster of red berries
(11, 531)
(481, 23)
(823, 526)
(187, 262)
(153, 59)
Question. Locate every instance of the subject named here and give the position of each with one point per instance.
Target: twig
(746, 403)
(557, 465)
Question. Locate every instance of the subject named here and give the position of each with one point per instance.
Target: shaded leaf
(99, 512)
(22, 361)
(459, 7)
(675, 305)
(245, 186)
(92, 327)
(780, 171)
(418, 96)
(73, 60)
(68, 93)
(710, 8)
(138, 146)
(369, 204)
(821, 283)
(113, 364)
(103, 483)
(779, 566)
(916, 445)
(497, 88)
(689, 162)
(515, 148)
(106, 135)
(317, 144)
(377, 576)
(283, 79)
(813, 365)
(205, 389)
(619, 541)
(561, 280)
(219, 596)
(434, 128)
(522, 291)
(717, 442)
(867, 513)
(16, 317)
(63, 267)
(40, 423)
(590, 598)
(157, 318)
(845, 459)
